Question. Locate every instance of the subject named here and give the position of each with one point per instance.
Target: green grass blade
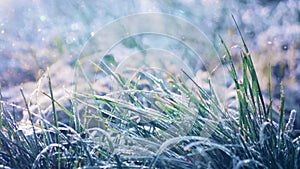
(251, 68)
(270, 109)
(64, 109)
(31, 120)
(281, 109)
(55, 116)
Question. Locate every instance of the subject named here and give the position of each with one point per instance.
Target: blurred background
(36, 34)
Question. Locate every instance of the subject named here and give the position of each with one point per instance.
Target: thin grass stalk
(249, 113)
(270, 109)
(63, 108)
(233, 74)
(243, 124)
(249, 88)
(81, 69)
(214, 99)
(188, 93)
(1, 109)
(281, 140)
(231, 68)
(75, 113)
(251, 68)
(281, 109)
(45, 137)
(30, 118)
(55, 116)
(104, 68)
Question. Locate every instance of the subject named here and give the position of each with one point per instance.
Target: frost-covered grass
(166, 125)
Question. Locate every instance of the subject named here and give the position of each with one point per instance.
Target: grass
(157, 123)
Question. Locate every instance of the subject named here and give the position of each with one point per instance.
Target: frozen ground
(37, 34)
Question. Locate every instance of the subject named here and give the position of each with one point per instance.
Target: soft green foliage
(149, 128)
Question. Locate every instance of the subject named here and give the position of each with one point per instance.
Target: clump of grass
(45, 145)
(157, 123)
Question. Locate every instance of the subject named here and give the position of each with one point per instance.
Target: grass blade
(55, 116)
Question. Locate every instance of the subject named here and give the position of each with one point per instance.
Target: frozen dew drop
(2, 31)
(182, 38)
(39, 30)
(235, 50)
(68, 40)
(75, 26)
(181, 12)
(285, 46)
(224, 59)
(269, 42)
(236, 47)
(43, 18)
(92, 33)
